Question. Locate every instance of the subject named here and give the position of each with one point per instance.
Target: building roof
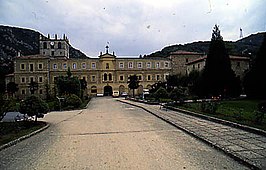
(36, 56)
(239, 58)
(181, 52)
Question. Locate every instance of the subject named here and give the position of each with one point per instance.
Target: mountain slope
(246, 46)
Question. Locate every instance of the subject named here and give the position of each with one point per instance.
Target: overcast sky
(134, 27)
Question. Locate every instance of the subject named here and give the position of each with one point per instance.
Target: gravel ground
(112, 135)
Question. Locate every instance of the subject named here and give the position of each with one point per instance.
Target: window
(166, 64)
(139, 65)
(107, 66)
(157, 77)
(64, 66)
(238, 64)
(45, 45)
(149, 77)
(55, 79)
(105, 77)
(31, 67)
(193, 66)
(52, 53)
(74, 66)
(23, 91)
(22, 66)
(23, 79)
(83, 65)
(31, 79)
(148, 65)
(110, 76)
(130, 65)
(93, 78)
(121, 65)
(55, 66)
(40, 79)
(140, 78)
(93, 65)
(40, 66)
(59, 45)
(157, 65)
(121, 78)
(186, 60)
(40, 91)
(198, 66)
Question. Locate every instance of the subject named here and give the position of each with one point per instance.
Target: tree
(83, 87)
(33, 86)
(161, 93)
(218, 78)
(33, 106)
(11, 88)
(133, 83)
(255, 79)
(177, 93)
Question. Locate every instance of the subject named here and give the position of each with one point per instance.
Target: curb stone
(212, 144)
(14, 142)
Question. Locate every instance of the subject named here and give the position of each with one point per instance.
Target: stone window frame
(40, 64)
(130, 64)
(31, 69)
(93, 65)
(23, 78)
(74, 66)
(93, 78)
(23, 91)
(149, 75)
(83, 65)
(158, 76)
(121, 64)
(40, 91)
(55, 66)
(22, 66)
(140, 77)
(40, 79)
(123, 77)
(166, 64)
(157, 65)
(31, 78)
(148, 64)
(64, 65)
(139, 64)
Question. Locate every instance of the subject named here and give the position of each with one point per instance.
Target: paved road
(112, 135)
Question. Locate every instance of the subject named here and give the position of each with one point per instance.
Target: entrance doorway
(108, 91)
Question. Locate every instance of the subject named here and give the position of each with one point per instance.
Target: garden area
(245, 112)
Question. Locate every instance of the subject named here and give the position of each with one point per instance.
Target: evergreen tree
(255, 79)
(133, 83)
(218, 78)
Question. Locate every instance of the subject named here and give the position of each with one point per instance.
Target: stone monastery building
(104, 74)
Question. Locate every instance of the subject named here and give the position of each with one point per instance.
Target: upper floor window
(83, 65)
(64, 66)
(52, 53)
(22, 66)
(23, 79)
(157, 65)
(140, 65)
(157, 77)
(59, 45)
(40, 66)
(105, 77)
(149, 77)
(130, 65)
(148, 64)
(107, 66)
(74, 66)
(40, 79)
(166, 64)
(31, 67)
(55, 66)
(110, 76)
(93, 65)
(140, 78)
(44, 45)
(121, 65)
(93, 78)
(186, 60)
(121, 78)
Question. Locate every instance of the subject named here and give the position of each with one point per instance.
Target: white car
(14, 116)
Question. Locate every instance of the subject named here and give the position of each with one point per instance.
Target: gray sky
(134, 27)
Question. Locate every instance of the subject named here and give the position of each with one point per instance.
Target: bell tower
(54, 47)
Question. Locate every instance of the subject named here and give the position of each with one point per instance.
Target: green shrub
(209, 107)
(161, 93)
(72, 100)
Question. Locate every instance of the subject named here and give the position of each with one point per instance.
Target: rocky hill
(243, 47)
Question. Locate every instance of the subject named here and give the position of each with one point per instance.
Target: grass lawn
(12, 130)
(239, 111)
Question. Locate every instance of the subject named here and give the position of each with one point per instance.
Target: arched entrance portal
(108, 91)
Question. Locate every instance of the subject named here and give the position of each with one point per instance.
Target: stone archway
(108, 90)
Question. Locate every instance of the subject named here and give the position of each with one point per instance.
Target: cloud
(134, 27)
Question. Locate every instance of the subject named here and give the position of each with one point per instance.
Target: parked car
(115, 94)
(14, 116)
(124, 94)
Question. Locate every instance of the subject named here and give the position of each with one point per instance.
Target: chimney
(55, 36)
(48, 36)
